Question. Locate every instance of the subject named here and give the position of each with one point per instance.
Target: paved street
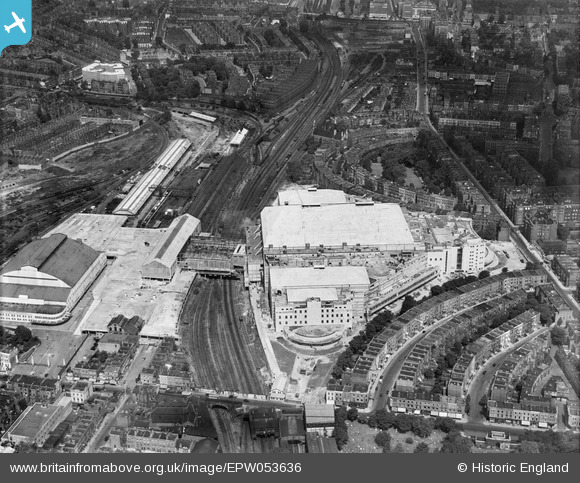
(142, 358)
(481, 382)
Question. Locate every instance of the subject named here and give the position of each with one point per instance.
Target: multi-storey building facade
(566, 269)
(525, 414)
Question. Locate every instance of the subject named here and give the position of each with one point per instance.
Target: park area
(362, 439)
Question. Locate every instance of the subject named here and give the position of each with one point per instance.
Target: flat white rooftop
(238, 137)
(308, 277)
(302, 294)
(116, 69)
(311, 197)
(143, 190)
(203, 117)
(96, 231)
(380, 225)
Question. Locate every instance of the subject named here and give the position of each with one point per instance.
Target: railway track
(265, 178)
(219, 351)
(249, 369)
(224, 423)
(41, 214)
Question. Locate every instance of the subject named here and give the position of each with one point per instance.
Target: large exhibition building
(341, 227)
(332, 259)
(142, 278)
(318, 296)
(45, 280)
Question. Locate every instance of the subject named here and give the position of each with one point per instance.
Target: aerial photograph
(289, 226)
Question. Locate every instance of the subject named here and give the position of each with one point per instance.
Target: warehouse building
(45, 280)
(161, 263)
(307, 296)
(143, 190)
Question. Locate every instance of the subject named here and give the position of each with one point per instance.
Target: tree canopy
(455, 443)
(422, 447)
(22, 338)
(558, 336)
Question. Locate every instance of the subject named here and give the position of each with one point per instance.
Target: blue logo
(15, 22)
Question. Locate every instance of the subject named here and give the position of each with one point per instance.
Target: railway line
(267, 177)
(229, 436)
(234, 434)
(219, 350)
(43, 213)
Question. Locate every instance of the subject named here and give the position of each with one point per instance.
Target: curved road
(480, 384)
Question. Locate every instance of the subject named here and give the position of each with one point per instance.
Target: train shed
(161, 263)
(143, 190)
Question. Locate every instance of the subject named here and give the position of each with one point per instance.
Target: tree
(384, 419)
(450, 360)
(455, 443)
(546, 314)
(22, 334)
(403, 423)
(270, 37)
(341, 415)
(422, 447)
(341, 436)
(352, 414)
(408, 303)
(383, 440)
(558, 336)
(483, 274)
(135, 54)
(467, 403)
(340, 428)
(363, 418)
(399, 448)
(337, 372)
(421, 426)
(126, 4)
(445, 424)
(529, 447)
(294, 170)
(563, 232)
(303, 26)
(369, 185)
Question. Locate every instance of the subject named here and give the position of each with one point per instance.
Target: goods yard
(37, 201)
